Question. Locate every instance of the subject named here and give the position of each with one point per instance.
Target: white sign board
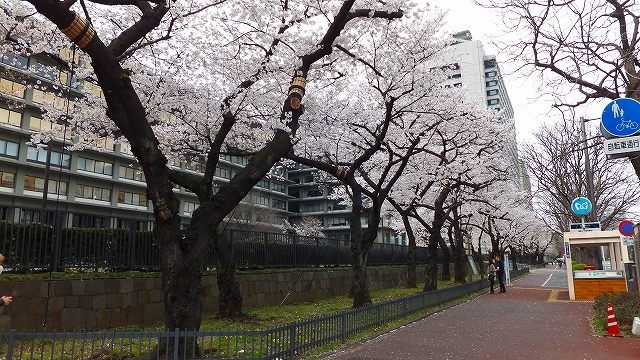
(625, 145)
(590, 226)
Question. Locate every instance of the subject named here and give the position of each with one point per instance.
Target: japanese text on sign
(622, 145)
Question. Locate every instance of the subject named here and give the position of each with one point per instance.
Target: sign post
(619, 122)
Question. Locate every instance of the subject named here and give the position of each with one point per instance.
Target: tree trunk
(435, 238)
(431, 282)
(359, 255)
(412, 277)
(458, 248)
(230, 301)
(446, 260)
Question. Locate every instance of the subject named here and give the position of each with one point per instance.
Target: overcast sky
(530, 112)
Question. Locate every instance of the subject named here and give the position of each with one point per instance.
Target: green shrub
(625, 306)
(578, 266)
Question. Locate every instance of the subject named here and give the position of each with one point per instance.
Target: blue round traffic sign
(581, 206)
(626, 228)
(621, 117)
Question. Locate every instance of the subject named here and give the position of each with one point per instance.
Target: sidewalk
(528, 322)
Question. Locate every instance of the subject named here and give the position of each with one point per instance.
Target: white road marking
(549, 278)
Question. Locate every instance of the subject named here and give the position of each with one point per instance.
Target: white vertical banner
(507, 270)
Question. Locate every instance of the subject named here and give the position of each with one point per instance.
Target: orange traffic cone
(612, 323)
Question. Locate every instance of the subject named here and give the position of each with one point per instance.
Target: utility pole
(587, 169)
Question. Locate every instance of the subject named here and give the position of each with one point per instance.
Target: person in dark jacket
(5, 300)
(500, 273)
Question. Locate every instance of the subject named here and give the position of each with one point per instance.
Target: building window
(314, 207)
(313, 193)
(90, 221)
(263, 184)
(95, 166)
(12, 88)
(37, 124)
(93, 192)
(223, 173)
(492, 83)
(493, 101)
(492, 92)
(490, 74)
(196, 166)
(491, 63)
(37, 184)
(240, 160)
(262, 200)
(278, 187)
(46, 71)
(279, 204)
(89, 87)
(9, 148)
(132, 198)
(455, 76)
(131, 173)
(190, 207)
(10, 117)
(125, 148)
(57, 158)
(7, 179)
(47, 98)
(17, 61)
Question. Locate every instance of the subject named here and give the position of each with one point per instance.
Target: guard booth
(586, 284)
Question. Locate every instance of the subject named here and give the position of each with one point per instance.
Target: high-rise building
(481, 75)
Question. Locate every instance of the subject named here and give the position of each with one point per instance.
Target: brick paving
(528, 322)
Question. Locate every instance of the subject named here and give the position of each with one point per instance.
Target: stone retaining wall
(108, 303)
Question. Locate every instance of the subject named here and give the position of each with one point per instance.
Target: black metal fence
(282, 342)
(36, 239)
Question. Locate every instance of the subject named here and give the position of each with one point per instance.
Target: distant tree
(307, 226)
(556, 161)
(581, 50)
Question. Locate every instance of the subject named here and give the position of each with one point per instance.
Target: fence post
(404, 307)
(343, 335)
(176, 343)
(292, 340)
(12, 339)
(295, 251)
(317, 251)
(132, 245)
(57, 233)
(266, 250)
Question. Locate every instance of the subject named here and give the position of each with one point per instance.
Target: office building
(103, 183)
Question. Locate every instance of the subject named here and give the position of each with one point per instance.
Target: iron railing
(37, 239)
(282, 342)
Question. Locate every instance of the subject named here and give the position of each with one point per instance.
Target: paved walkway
(530, 321)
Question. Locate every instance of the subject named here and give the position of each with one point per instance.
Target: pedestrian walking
(500, 273)
(491, 275)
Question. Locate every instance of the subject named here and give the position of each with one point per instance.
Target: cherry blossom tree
(404, 100)
(464, 151)
(197, 80)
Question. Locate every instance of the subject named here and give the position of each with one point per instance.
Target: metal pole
(590, 191)
(587, 169)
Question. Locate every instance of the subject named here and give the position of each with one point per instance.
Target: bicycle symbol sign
(620, 117)
(581, 206)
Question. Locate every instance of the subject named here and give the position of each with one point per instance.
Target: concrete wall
(108, 303)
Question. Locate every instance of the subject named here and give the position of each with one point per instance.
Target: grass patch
(625, 305)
